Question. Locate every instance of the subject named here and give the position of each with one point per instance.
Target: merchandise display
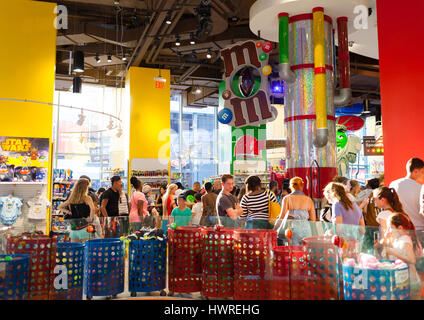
(10, 209)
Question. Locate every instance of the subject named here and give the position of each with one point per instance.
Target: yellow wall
(27, 64)
(150, 114)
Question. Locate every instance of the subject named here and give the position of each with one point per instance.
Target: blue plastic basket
(104, 267)
(368, 284)
(14, 278)
(70, 256)
(147, 265)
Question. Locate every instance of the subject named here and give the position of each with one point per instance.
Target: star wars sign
(246, 96)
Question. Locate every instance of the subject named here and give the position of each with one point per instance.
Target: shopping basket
(14, 276)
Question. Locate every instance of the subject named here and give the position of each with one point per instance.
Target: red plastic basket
(252, 268)
(321, 267)
(42, 252)
(288, 271)
(218, 262)
(185, 259)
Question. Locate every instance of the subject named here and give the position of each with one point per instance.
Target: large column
(401, 71)
(150, 114)
(27, 64)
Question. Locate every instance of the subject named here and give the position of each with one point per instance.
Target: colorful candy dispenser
(218, 262)
(42, 252)
(323, 272)
(70, 257)
(104, 267)
(14, 277)
(252, 267)
(147, 266)
(185, 259)
(288, 273)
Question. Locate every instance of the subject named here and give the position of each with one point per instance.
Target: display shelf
(63, 182)
(152, 177)
(23, 183)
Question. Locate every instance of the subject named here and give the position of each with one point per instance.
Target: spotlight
(81, 118)
(192, 38)
(110, 125)
(168, 18)
(98, 58)
(76, 85)
(193, 54)
(209, 54)
(78, 61)
(116, 2)
(204, 22)
(177, 41)
(124, 57)
(277, 87)
(109, 57)
(197, 91)
(119, 132)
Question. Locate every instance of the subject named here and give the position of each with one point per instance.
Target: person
(99, 194)
(388, 201)
(217, 186)
(408, 190)
(124, 208)
(138, 210)
(273, 187)
(168, 204)
(401, 242)
(181, 215)
(209, 206)
(343, 210)
(255, 204)
(354, 188)
(91, 192)
(345, 182)
(159, 199)
(241, 193)
(369, 208)
(227, 207)
(110, 207)
(296, 206)
(197, 210)
(79, 207)
(179, 185)
(191, 192)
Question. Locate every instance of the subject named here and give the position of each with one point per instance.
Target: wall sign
(373, 146)
(246, 96)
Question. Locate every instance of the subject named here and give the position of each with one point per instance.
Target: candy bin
(252, 263)
(42, 254)
(185, 260)
(70, 259)
(14, 276)
(323, 272)
(147, 266)
(218, 262)
(376, 284)
(104, 267)
(288, 273)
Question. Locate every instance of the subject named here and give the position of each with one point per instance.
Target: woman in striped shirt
(255, 204)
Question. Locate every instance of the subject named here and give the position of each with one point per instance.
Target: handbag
(274, 210)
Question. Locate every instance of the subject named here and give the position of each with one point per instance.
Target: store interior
(185, 92)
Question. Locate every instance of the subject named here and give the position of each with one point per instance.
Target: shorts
(79, 234)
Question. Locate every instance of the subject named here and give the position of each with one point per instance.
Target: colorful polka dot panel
(42, 252)
(218, 262)
(14, 277)
(70, 256)
(104, 267)
(252, 268)
(367, 284)
(147, 265)
(185, 259)
(288, 271)
(323, 272)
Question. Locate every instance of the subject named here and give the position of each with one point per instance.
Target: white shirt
(408, 191)
(422, 200)
(197, 213)
(38, 208)
(383, 215)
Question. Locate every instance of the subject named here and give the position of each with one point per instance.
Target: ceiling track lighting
(78, 61)
(76, 85)
(192, 41)
(193, 54)
(119, 132)
(110, 125)
(177, 41)
(168, 18)
(197, 91)
(98, 58)
(81, 118)
(124, 57)
(209, 54)
(109, 58)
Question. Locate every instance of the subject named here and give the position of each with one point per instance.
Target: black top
(160, 209)
(79, 211)
(112, 207)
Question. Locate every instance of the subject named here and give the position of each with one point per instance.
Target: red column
(401, 53)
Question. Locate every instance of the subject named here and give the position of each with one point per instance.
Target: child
(181, 215)
(387, 200)
(197, 210)
(401, 242)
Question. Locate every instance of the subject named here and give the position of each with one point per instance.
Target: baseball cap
(182, 196)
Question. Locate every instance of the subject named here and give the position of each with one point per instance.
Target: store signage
(159, 84)
(373, 146)
(246, 96)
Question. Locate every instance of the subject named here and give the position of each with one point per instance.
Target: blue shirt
(10, 210)
(181, 218)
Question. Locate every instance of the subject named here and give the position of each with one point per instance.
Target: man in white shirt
(408, 190)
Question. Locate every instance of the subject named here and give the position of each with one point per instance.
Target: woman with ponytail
(386, 199)
(168, 204)
(401, 242)
(138, 205)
